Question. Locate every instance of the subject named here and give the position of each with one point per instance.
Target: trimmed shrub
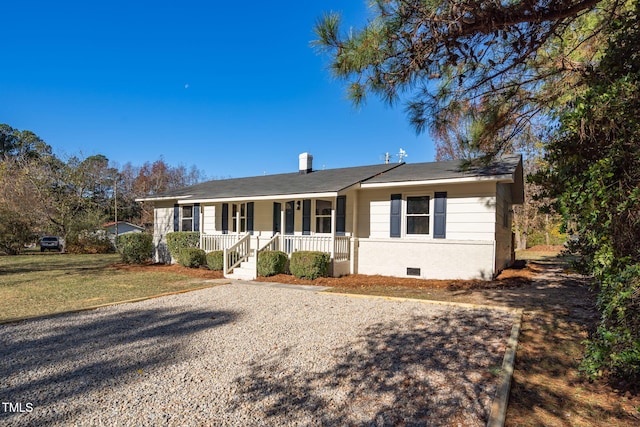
(214, 259)
(135, 248)
(182, 239)
(309, 265)
(192, 257)
(271, 263)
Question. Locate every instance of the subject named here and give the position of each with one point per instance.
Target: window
(418, 215)
(242, 209)
(323, 216)
(186, 214)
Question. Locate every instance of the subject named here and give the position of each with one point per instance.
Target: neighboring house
(431, 220)
(123, 227)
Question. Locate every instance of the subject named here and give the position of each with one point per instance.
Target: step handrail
(269, 243)
(243, 246)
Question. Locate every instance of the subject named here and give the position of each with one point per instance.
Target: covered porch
(245, 248)
(246, 227)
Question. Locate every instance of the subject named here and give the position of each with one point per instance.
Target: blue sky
(232, 88)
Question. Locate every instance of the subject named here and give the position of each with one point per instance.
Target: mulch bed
(508, 278)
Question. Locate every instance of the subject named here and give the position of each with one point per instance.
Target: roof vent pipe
(306, 163)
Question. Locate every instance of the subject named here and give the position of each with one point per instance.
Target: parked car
(51, 242)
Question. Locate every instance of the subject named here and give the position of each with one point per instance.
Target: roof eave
(161, 198)
(261, 198)
(509, 178)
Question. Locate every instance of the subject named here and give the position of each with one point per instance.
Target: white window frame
(405, 214)
(316, 216)
(243, 218)
(184, 218)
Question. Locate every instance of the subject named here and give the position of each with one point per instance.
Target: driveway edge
(109, 304)
(498, 413)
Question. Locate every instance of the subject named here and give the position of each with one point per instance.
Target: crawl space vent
(413, 271)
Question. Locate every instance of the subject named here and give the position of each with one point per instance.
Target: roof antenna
(387, 158)
(401, 155)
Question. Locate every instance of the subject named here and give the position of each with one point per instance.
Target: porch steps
(246, 270)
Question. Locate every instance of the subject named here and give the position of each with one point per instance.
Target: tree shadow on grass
(53, 361)
(427, 370)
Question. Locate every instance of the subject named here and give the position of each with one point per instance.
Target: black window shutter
(225, 218)
(306, 216)
(176, 217)
(440, 215)
(341, 215)
(250, 217)
(396, 215)
(196, 217)
(277, 219)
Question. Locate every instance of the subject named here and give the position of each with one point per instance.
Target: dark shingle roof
(335, 180)
(447, 170)
(330, 180)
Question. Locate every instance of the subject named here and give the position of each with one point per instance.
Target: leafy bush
(537, 237)
(135, 248)
(90, 244)
(16, 230)
(192, 257)
(615, 347)
(182, 239)
(271, 263)
(309, 265)
(215, 258)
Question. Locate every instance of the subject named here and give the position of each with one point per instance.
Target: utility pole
(115, 200)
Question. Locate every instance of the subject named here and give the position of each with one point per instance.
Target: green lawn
(33, 285)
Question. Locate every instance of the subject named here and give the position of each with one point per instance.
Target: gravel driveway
(246, 354)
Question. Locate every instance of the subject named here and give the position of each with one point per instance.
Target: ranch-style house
(436, 220)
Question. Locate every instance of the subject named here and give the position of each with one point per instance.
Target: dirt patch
(546, 248)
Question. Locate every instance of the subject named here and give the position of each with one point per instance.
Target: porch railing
(342, 247)
(339, 246)
(236, 253)
(217, 242)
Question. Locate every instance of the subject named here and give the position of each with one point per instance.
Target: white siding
(263, 217)
(208, 219)
(471, 210)
(379, 211)
(163, 224)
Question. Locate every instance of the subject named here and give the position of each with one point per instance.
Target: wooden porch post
(237, 219)
(354, 234)
(333, 228)
(283, 207)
